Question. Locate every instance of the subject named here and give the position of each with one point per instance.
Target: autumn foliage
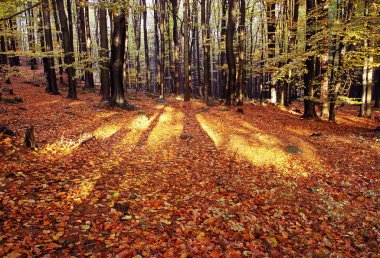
(176, 179)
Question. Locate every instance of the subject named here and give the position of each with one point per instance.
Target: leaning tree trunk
(117, 60)
(51, 76)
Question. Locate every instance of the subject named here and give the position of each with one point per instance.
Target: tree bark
(146, 45)
(231, 25)
(309, 104)
(51, 76)
(240, 75)
(103, 54)
(68, 46)
(186, 49)
(117, 60)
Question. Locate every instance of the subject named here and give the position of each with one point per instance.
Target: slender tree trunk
(146, 45)
(231, 25)
(206, 41)
(89, 76)
(137, 30)
(59, 37)
(186, 49)
(157, 59)
(40, 32)
(51, 76)
(162, 48)
(68, 46)
(103, 54)
(240, 74)
(309, 104)
(223, 33)
(31, 38)
(117, 60)
(271, 30)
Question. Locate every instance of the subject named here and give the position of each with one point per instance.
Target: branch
(20, 12)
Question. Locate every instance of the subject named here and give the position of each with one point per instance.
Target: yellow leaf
(272, 241)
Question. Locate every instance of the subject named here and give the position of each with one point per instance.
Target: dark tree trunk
(231, 25)
(205, 21)
(40, 32)
(59, 37)
(146, 45)
(240, 75)
(186, 49)
(51, 76)
(68, 46)
(271, 28)
(103, 54)
(89, 76)
(162, 48)
(223, 34)
(309, 104)
(15, 59)
(137, 30)
(117, 60)
(157, 61)
(31, 38)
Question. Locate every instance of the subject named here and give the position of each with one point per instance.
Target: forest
(178, 128)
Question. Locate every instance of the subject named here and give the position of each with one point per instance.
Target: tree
(309, 104)
(186, 49)
(231, 25)
(68, 47)
(146, 46)
(51, 76)
(103, 54)
(117, 98)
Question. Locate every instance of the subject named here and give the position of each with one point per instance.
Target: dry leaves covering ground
(179, 179)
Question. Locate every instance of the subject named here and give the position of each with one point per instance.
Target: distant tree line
(322, 51)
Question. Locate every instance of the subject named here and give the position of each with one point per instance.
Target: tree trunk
(146, 45)
(137, 30)
(231, 25)
(89, 76)
(51, 76)
(68, 46)
(59, 37)
(103, 54)
(206, 41)
(186, 49)
(309, 104)
(117, 60)
(271, 29)
(240, 74)
(40, 33)
(31, 38)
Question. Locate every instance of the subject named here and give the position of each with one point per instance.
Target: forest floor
(178, 179)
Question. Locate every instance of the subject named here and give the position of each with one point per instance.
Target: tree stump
(30, 138)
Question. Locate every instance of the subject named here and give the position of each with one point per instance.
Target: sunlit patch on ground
(137, 127)
(247, 142)
(107, 130)
(75, 103)
(160, 106)
(169, 127)
(105, 115)
(80, 192)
